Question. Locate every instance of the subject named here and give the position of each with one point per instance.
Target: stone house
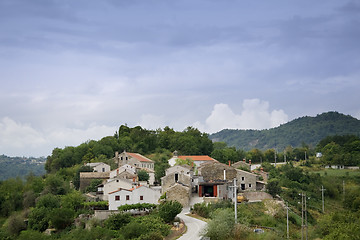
(138, 161)
(173, 176)
(99, 167)
(246, 181)
(242, 165)
(179, 192)
(197, 159)
(87, 177)
(139, 194)
(134, 159)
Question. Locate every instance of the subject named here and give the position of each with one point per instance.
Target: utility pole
(275, 156)
(306, 223)
(302, 216)
(235, 199)
(344, 190)
(322, 197)
(235, 187)
(287, 220)
(284, 156)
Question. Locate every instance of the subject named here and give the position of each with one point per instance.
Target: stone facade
(173, 178)
(246, 181)
(180, 193)
(217, 171)
(87, 177)
(134, 159)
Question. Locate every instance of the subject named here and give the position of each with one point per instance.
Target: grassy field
(339, 172)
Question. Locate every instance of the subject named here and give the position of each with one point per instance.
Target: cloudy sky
(71, 71)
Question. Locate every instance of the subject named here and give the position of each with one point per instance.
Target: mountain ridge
(307, 129)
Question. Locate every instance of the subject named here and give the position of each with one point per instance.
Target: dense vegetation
(308, 130)
(20, 166)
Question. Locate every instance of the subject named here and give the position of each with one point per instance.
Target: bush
(117, 221)
(61, 218)
(201, 209)
(169, 209)
(222, 224)
(15, 224)
(32, 235)
(38, 219)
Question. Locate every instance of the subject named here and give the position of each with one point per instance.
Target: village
(205, 180)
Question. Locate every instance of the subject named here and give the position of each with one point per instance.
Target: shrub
(38, 219)
(201, 209)
(62, 217)
(117, 221)
(222, 224)
(169, 209)
(15, 224)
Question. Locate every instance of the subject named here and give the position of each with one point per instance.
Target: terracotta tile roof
(129, 190)
(139, 157)
(197, 158)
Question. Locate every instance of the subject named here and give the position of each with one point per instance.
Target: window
(103, 169)
(117, 198)
(242, 178)
(176, 177)
(141, 197)
(127, 197)
(249, 185)
(121, 158)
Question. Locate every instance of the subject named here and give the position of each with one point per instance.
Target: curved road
(194, 226)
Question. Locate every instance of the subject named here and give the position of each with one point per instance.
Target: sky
(71, 71)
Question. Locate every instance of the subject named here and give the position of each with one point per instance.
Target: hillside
(11, 167)
(309, 130)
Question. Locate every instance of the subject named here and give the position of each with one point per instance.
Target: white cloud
(18, 139)
(153, 122)
(254, 115)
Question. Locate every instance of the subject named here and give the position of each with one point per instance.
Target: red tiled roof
(197, 158)
(130, 190)
(139, 157)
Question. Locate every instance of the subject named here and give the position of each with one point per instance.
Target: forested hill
(309, 130)
(11, 167)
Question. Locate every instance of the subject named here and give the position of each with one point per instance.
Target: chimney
(229, 163)
(224, 174)
(116, 155)
(244, 160)
(250, 161)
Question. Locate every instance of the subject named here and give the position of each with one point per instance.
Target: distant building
(99, 167)
(197, 159)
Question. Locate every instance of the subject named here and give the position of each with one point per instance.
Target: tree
(221, 225)
(38, 219)
(61, 218)
(143, 175)
(117, 221)
(273, 187)
(169, 209)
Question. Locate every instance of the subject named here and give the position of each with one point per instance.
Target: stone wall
(179, 193)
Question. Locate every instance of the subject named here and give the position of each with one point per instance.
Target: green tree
(15, 224)
(143, 175)
(169, 209)
(48, 201)
(117, 221)
(39, 219)
(61, 218)
(221, 225)
(273, 187)
(72, 200)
